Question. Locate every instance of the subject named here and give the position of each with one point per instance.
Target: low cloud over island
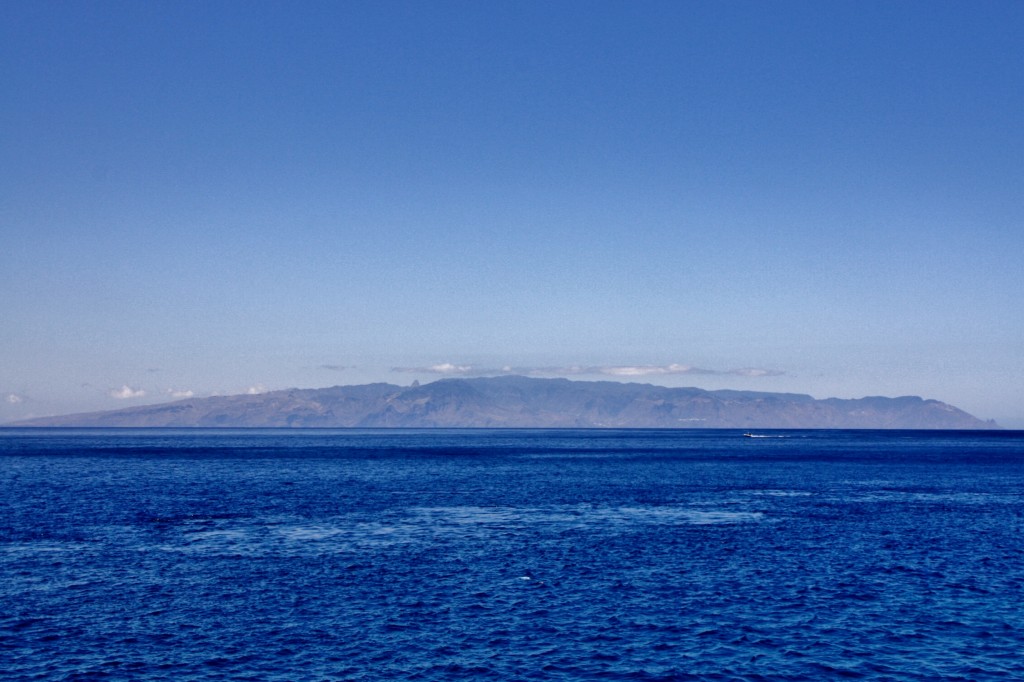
(631, 371)
(126, 392)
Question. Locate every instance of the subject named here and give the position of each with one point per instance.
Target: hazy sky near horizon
(217, 197)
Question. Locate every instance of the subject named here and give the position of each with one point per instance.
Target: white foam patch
(576, 516)
(428, 524)
(781, 493)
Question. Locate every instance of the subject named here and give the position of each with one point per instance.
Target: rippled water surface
(511, 555)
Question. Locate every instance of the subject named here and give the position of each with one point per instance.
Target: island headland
(522, 402)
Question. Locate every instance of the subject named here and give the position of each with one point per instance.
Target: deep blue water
(511, 555)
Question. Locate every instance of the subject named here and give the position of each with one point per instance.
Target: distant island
(521, 402)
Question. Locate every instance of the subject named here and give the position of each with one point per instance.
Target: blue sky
(217, 197)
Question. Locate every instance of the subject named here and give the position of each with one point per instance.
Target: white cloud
(14, 398)
(674, 369)
(126, 392)
(256, 390)
(179, 394)
(445, 368)
(648, 370)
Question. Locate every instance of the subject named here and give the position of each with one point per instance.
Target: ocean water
(511, 555)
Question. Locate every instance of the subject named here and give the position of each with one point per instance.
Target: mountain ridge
(522, 402)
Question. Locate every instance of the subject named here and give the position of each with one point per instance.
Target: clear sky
(217, 197)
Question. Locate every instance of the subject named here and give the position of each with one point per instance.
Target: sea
(154, 554)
